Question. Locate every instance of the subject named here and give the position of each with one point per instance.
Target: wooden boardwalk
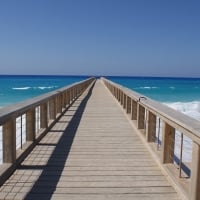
(91, 153)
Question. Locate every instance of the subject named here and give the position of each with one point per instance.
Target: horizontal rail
(164, 129)
(22, 125)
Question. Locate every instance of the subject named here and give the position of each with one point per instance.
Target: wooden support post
(118, 92)
(78, 90)
(140, 116)
(30, 125)
(74, 92)
(52, 109)
(151, 127)
(128, 106)
(133, 110)
(64, 99)
(58, 104)
(168, 141)
(121, 97)
(9, 141)
(124, 101)
(43, 115)
(68, 97)
(71, 95)
(195, 173)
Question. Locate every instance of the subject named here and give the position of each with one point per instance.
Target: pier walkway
(91, 153)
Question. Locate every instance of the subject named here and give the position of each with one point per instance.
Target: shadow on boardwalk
(59, 156)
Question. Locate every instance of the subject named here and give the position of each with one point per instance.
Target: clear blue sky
(100, 37)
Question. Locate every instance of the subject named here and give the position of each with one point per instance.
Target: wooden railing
(160, 127)
(22, 125)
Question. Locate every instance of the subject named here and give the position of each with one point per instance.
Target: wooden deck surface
(91, 153)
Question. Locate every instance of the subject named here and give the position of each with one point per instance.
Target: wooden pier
(92, 150)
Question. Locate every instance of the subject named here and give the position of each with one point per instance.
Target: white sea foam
(43, 88)
(191, 109)
(147, 87)
(39, 87)
(21, 88)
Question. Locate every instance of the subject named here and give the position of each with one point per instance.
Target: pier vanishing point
(96, 140)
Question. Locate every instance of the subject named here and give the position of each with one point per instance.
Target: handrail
(36, 116)
(147, 115)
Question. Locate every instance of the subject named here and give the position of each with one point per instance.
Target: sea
(182, 94)
(14, 89)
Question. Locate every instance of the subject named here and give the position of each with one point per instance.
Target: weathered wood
(151, 127)
(122, 97)
(168, 142)
(118, 94)
(133, 110)
(52, 109)
(128, 107)
(9, 141)
(68, 97)
(30, 125)
(59, 104)
(195, 173)
(124, 101)
(43, 115)
(140, 116)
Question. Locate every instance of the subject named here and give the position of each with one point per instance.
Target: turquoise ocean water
(14, 89)
(182, 94)
(163, 89)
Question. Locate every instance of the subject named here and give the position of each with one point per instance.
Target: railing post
(59, 104)
(68, 97)
(71, 94)
(151, 127)
(124, 101)
(122, 98)
(195, 173)
(140, 116)
(9, 141)
(133, 110)
(128, 106)
(168, 142)
(63, 99)
(52, 109)
(118, 97)
(43, 115)
(30, 125)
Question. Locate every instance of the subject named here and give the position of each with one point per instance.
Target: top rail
(162, 125)
(23, 124)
